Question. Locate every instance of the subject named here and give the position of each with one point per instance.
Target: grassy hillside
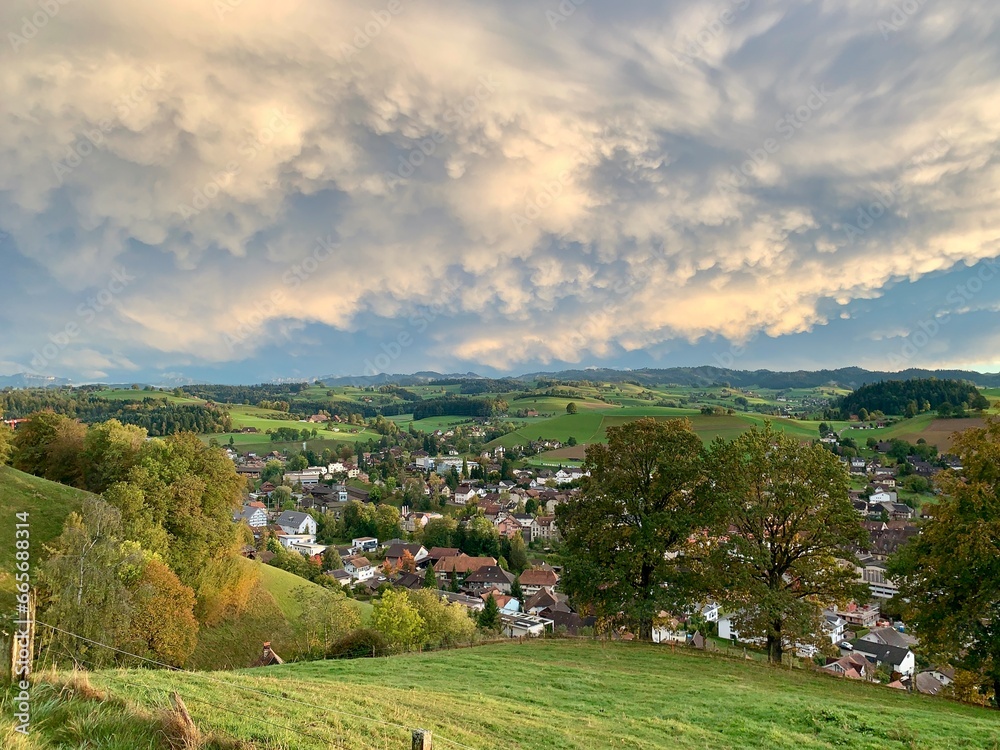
(272, 615)
(47, 504)
(552, 695)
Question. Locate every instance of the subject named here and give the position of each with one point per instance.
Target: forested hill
(910, 397)
(155, 414)
(845, 377)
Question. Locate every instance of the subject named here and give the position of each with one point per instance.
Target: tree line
(154, 553)
(764, 525)
(157, 416)
(459, 406)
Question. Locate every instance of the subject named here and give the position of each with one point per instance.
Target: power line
(232, 685)
(150, 689)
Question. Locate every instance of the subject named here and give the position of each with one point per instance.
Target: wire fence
(230, 684)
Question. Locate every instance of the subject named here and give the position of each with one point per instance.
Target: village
(857, 641)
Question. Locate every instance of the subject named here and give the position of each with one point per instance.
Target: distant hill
(846, 377)
(569, 694)
(30, 380)
(416, 378)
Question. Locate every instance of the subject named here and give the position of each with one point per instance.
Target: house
(294, 522)
(460, 565)
(487, 577)
(897, 511)
(306, 477)
(852, 666)
(439, 553)
(365, 544)
(933, 681)
(394, 554)
(667, 629)
(859, 617)
(569, 622)
(254, 516)
(522, 625)
(889, 637)
(542, 599)
(544, 528)
(872, 572)
(882, 497)
(464, 493)
(340, 576)
(473, 603)
(410, 581)
(359, 568)
(833, 626)
(534, 580)
(892, 658)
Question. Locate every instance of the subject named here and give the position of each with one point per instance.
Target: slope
(47, 505)
(568, 695)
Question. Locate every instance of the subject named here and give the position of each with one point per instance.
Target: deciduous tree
(644, 498)
(949, 574)
(791, 525)
(395, 617)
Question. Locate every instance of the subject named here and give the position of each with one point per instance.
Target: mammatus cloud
(557, 182)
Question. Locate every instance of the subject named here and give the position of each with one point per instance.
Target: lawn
(558, 695)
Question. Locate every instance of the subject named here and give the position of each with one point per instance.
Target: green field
(549, 695)
(47, 504)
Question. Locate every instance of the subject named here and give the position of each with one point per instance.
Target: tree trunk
(774, 651)
(646, 619)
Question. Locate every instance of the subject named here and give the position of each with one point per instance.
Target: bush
(359, 644)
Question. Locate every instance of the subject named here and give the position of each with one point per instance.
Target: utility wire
(232, 685)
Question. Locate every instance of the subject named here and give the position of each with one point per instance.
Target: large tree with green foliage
(395, 617)
(645, 496)
(789, 525)
(949, 575)
(84, 583)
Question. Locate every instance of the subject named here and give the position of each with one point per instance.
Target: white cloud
(569, 178)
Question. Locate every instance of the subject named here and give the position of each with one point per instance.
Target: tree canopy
(790, 528)
(949, 575)
(645, 496)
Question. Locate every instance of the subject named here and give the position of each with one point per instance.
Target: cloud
(621, 181)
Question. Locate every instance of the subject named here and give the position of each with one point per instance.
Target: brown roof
(436, 553)
(538, 577)
(359, 561)
(462, 564)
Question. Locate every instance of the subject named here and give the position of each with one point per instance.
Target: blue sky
(242, 191)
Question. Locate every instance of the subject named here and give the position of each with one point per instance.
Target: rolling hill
(551, 695)
(47, 504)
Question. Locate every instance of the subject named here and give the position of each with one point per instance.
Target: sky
(245, 190)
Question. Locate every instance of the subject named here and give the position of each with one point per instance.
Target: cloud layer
(222, 185)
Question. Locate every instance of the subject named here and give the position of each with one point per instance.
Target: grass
(556, 695)
(271, 615)
(47, 504)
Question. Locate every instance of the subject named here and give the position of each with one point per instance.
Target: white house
(882, 497)
(294, 522)
(872, 572)
(892, 658)
(833, 626)
(522, 625)
(359, 568)
(254, 516)
(365, 544)
(464, 493)
(307, 477)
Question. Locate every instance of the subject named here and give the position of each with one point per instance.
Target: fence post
(421, 740)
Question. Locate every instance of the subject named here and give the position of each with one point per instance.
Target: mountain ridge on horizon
(705, 375)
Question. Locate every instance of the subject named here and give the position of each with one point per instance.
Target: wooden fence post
(421, 740)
